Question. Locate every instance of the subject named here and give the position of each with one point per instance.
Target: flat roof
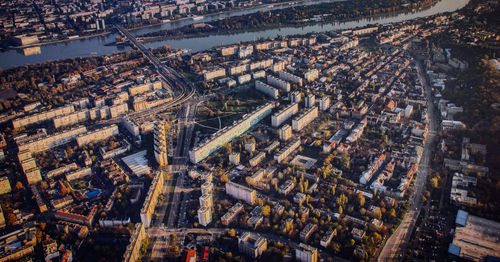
(475, 237)
(137, 163)
(461, 217)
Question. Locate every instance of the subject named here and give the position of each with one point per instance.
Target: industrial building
(475, 238)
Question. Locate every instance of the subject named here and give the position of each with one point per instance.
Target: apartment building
(266, 89)
(160, 132)
(284, 114)
(227, 134)
(97, 135)
(43, 116)
(285, 132)
(241, 192)
(304, 119)
(281, 84)
(215, 73)
(311, 75)
(252, 244)
(310, 100)
(307, 231)
(287, 150)
(231, 214)
(142, 88)
(204, 216)
(51, 141)
(324, 103)
(290, 78)
(133, 251)
(4, 185)
(257, 159)
(306, 253)
(149, 205)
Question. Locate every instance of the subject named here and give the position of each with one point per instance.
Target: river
(96, 45)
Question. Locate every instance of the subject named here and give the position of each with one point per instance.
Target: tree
(392, 212)
(173, 237)
(19, 185)
(336, 247)
(231, 232)
(434, 182)
(361, 199)
(266, 210)
(341, 200)
(227, 147)
(351, 242)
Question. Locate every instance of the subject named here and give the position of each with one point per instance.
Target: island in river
(294, 16)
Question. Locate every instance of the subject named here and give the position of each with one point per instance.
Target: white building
(234, 158)
(241, 192)
(97, 135)
(160, 142)
(310, 100)
(266, 89)
(304, 119)
(287, 150)
(311, 75)
(227, 134)
(281, 84)
(291, 78)
(285, 132)
(204, 216)
(306, 253)
(284, 114)
(324, 103)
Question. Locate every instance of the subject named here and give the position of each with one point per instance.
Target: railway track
(185, 89)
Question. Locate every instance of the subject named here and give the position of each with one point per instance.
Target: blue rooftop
(461, 219)
(454, 250)
(93, 193)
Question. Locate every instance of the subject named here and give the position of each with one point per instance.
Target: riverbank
(134, 28)
(97, 45)
(238, 9)
(293, 24)
(60, 41)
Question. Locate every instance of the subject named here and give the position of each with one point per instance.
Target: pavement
(395, 247)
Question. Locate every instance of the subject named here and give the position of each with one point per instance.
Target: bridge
(181, 88)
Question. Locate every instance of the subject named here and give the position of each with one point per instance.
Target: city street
(395, 246)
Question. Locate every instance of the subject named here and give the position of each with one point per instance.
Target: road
(164, 233)
(186, 118)
(395, 247)
(182, 89)
(183, 92)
